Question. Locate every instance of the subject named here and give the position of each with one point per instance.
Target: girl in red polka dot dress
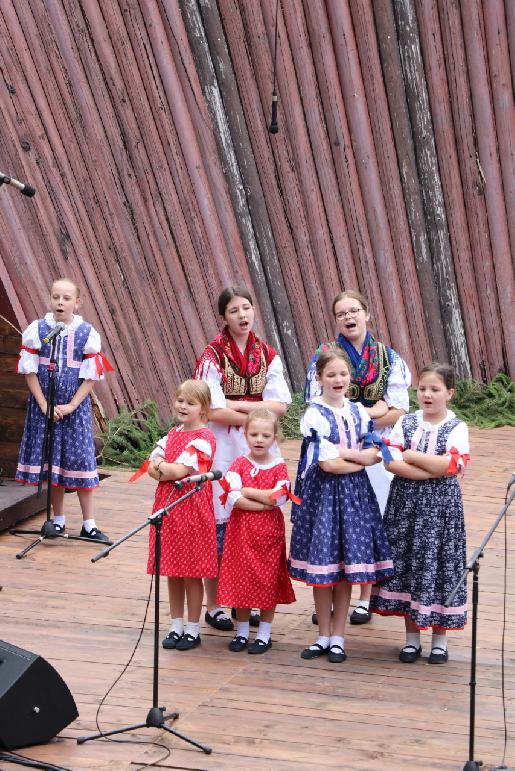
(188, 550)
(253, 572)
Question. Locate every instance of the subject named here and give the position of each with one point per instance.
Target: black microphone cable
(274, 128)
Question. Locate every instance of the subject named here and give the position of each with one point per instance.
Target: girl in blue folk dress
(79, 365)
(424, 518)
(338, 537)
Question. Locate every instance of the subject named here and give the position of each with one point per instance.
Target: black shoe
(409, 654)
(336, 654)
(358, 617)
(238, 643)
(96, 535)
(187, 642)
(314, 619)
(259, 646)
(253, 620)
(217, 622)
(314, 652)
(171, 640)
(52, 529)
(438, 656)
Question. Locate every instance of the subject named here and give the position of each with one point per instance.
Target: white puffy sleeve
(213, 377)
(397, 438)
(399, 380)
(458, 445)
(159, 450)
(282, 484)
(314, 421)
(365, 422)
(88, 369)
(30, 346)
(235, 482)
(190, 455)
(276, 389)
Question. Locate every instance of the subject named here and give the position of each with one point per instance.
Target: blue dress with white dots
(338, 533)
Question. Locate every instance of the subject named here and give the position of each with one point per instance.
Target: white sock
(336, 640)
(192, 628)
(213, 611)
(439, 641)
(60, 520)
(264, 630)
(362, 606)
(413, 638)
(243, 629)
(322, 641)
(88, 525)
(177, 626)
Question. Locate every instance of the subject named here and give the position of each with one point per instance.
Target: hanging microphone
(21, 186)
(274, 128)
(54, 332)
(209, 476)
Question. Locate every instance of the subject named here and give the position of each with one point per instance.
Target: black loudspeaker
(35, 703)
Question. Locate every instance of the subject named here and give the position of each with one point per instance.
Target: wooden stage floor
(259, 712)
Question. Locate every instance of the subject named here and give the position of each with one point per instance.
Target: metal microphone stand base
(472, 765)
(47, 532)
(155, 719)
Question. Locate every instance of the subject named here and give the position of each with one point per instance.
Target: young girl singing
(424, 518)
(338, 537)
(79, 365)
(188, 546)
(253, 572)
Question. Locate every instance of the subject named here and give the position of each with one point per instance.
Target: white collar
(344, 408)
(273, 462)
(75, 322)
(433, 426)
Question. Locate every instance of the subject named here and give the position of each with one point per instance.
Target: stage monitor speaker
(35, 702)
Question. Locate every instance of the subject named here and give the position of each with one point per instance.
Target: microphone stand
(156, 716)
(47, 454)
(473, 565)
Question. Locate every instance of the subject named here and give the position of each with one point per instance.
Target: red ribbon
(139, 473)
(285, 490)
(102, 364)
(391, 444)
(226, 487)
(202, 458)
(24, 348)
(455, 454)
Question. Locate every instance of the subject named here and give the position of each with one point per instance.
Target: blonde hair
(262, 413)
(197, 391)
(327, 357)
(354, 295)
(69, 281)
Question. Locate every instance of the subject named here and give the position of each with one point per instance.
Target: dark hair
(353, 295)
(444, 371)
(327, 356)
(227, 295)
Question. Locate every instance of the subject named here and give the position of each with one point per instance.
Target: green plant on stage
(131, 436)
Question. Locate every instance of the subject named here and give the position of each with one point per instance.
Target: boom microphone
(209, 476)
(21, 186)
(54, 332)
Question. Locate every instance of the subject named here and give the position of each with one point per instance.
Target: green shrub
(131, 436)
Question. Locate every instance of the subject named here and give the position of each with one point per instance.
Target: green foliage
(290, 428)
(131, 436)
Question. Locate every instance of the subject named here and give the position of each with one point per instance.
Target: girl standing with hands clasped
(79, 365)
(253, 572)
(188, 546)
(424, 518)
(338, 537)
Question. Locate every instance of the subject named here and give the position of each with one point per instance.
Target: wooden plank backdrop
(143, 125)
(261, 712)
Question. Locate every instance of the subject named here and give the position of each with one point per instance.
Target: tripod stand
(473, 565)
(47, 454)
(156, 716)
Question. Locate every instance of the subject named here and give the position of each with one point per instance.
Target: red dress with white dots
(253, 573)
(188, 533)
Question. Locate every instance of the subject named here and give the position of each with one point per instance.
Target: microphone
(209, 476)
(21, 186)
(54, 332)
(274, 128)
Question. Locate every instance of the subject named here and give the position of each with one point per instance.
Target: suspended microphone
(209, 476)
(273, 128)
(21, 186)
(54, 332)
